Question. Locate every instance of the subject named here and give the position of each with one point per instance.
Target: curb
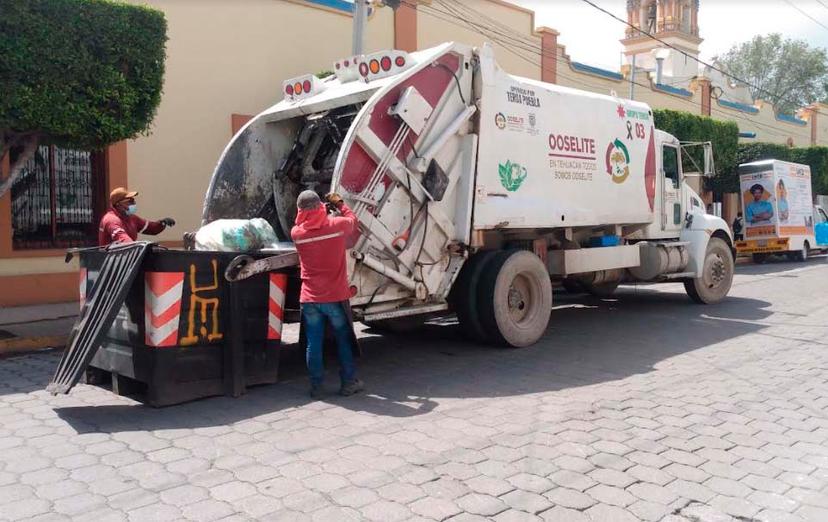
(19, 345)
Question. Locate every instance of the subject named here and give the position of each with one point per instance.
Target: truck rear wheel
(717, 274)
(464, 296)
(759, 258)
(802, 255)
(515, 298)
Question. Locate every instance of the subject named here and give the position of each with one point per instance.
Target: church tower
(673, 21)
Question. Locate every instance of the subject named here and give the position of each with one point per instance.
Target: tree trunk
(29, 147)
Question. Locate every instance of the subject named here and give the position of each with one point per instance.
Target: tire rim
(521, 299)
(716, 272)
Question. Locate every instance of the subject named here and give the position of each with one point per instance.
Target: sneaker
(351, 387)
(316, 393)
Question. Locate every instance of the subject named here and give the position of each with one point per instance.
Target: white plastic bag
(236, 235)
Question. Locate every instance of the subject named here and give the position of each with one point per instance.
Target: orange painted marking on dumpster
(162, 307)
(276, 306)
(203, 304)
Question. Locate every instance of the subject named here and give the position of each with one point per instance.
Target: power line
(805, 13)
(461, 19)
(468, 19)
(688, 55)
(823, 4)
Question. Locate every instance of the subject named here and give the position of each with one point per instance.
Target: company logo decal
(618, 161)
(512, 175)
(500, 120)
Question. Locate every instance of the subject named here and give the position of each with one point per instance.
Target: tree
(723, 134)
(788, 73)
(76, 73)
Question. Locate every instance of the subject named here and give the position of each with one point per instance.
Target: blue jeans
(314, 315)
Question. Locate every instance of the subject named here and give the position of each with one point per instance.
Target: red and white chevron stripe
(276, 306)
(162, 302)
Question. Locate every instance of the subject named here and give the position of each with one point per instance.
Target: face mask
(131, 209)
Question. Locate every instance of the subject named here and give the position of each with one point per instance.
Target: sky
(591, 36)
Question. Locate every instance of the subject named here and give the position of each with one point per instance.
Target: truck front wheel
(515, 298)
(717, 274)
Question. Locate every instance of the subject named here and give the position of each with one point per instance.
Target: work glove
(168, 222)
(335, 200)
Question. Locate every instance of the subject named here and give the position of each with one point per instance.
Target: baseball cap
(120, 194)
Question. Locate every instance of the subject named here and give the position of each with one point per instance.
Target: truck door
(671, 214)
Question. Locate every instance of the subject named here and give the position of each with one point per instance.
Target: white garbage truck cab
(477, 190)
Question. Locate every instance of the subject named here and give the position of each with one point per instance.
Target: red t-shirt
(321, 241)
(120, 228)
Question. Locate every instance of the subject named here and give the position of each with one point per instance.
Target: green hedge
(814, 157)
(723, 134)
(79, 73)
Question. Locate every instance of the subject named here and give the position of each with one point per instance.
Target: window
(671, 168)
(822, 217)
(56, 201)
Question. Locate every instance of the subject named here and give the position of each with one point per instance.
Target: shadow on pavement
(589, 341)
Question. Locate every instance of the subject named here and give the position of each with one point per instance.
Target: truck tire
(515, 298)
(759, 258)
(464, 297)
(802, 255)
(717, 274)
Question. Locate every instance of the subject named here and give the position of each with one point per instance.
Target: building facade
(226, 61)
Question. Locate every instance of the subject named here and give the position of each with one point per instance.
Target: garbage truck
(778, 210)
(476, 191)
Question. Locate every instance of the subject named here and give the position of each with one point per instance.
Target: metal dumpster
(184, 332)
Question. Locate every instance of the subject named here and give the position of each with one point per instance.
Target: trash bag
(236, 235)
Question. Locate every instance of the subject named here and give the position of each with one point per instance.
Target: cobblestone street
(644, 407)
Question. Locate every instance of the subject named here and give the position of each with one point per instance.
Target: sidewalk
(38, 327)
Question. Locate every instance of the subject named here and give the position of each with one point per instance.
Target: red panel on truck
(432, 83)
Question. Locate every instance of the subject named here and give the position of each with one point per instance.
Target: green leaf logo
(512, 175)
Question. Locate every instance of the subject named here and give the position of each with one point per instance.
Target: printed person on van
(121, 224)
(759, 210)
(782, 201)
(321, 240)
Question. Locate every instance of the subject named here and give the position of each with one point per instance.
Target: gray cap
(308, 200)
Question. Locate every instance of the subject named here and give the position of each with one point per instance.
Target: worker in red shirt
(120, 224)
(321, 240)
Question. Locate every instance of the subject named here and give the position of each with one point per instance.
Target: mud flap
(118, 271)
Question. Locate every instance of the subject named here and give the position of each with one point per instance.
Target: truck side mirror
(709, 166)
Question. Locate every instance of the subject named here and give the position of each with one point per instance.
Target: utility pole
(632, 79)
(360, 17)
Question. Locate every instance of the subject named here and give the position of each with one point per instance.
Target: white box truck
(477, 190)
(778, 210)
